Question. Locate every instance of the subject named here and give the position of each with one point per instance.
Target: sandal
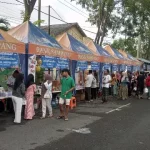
(50, 116)
(42, 117)
(60, 117)
(66, 119)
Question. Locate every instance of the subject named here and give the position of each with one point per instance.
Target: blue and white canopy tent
(40, 44)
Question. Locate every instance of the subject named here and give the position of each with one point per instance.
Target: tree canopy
(4, 24)
(129, 18)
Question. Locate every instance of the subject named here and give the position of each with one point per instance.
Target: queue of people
(121, 85)
(118, 84)
(23, 94)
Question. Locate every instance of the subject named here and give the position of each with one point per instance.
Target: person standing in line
(148, 85)
(67, 86)
(129, 84)
(94, 88)
(10, 84)
(114, 85)
(17, 97)
(124, 86)
(88, 83)
(105, 85)
(30, 90)
(46, 96)
(140, 85)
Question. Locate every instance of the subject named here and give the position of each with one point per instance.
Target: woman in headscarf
(124, 86)
(17, 97)
(46, 96)
(30, 90)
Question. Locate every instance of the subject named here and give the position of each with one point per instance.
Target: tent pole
(49, 19)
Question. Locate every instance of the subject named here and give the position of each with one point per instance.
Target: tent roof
(115, 53)
(77, 46)
(29, 33)
(4, 36)
(71, 43)
(127, 55)
(144, 60)
(118, 54)
(102, 51)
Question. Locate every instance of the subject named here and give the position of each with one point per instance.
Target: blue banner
(48, 62)
(148, 67)
(106, 66)
(95, 65)
(82, 65)
(122, 67)
(115, 67)
(129, 68)
(9, 60)
(62, 63)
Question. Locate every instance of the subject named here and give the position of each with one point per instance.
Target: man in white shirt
(105, 85)
(88, 83)
(10, 84)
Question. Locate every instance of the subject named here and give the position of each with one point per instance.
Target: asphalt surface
(117, 125)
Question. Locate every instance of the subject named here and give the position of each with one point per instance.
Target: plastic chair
(73, 103)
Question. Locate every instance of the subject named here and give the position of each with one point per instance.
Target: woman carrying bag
(46, 96)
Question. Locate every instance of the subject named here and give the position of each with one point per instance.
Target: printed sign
(9, 60)
(48, 62)
(129, 68)
(82, 65)
(32, 64)
(122, 67)
(62, 63)
(115, 67)
(106, 66)
(95, 65)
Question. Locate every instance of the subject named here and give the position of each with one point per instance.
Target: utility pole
(49, 19)
(139, 46)
(39, 13)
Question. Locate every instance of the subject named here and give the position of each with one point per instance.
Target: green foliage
(39, 76)
(29, 6)
(101, 14)
(38, 21)
(129, 45)
(4, 24)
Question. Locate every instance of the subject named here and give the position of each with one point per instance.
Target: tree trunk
(29, 6)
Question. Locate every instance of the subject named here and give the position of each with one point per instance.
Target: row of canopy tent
(38, 42)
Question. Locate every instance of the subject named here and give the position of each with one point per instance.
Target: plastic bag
(146, 90)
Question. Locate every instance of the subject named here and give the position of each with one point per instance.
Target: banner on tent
(82, 65)
(106, 66)
(122, 67)
(95, 65)
(32, 65)
(49, 51)
(62, 63)
(9, 60)
(148, 67)
(48, 62)
(129, 68)
(11, 47)
(115, 67)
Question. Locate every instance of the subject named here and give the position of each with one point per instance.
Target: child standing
(46, 96)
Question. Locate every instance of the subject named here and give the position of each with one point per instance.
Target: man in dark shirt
(140, 84)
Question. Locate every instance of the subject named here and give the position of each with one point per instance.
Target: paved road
(117, 125)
